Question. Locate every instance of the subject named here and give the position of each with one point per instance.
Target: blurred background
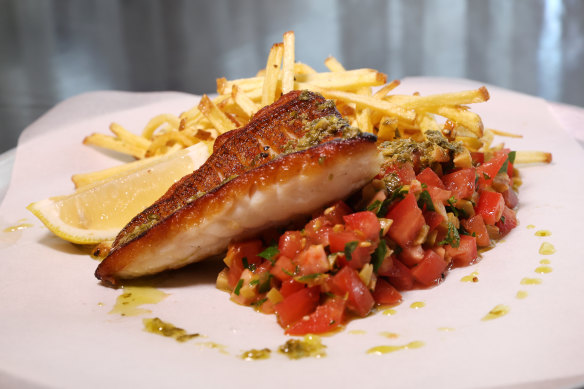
(51, 50)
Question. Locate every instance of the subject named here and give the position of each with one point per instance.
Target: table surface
(55, 49)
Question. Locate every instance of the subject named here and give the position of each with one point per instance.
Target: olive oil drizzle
(159, 327)
(309, 346)
(497, 312)
(129, 302)
(386, 349)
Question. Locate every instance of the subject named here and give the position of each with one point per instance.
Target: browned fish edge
(189, 216)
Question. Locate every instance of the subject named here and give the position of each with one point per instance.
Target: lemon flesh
(97, 212)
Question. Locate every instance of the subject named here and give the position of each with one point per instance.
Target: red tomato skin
(407, 221)
(465, 254)
(488, 170)
(325, 318)
(385, 293)
(317, 230)
(297, 305)
(429, 270)
(490, 206)
(386, 266)
(347, 281)
(509, 223)
(461, 183)
(365, 222)
(283, 268)
(511, 198)
(290, 286)
(411, 255)
(291, 243)
(359, 257)
(236, 252)
(430, 178)
(312, 260)
(404, 171)
(476, 227)
(400, 276)
(334, 214)
(433, 219)
(477, 157)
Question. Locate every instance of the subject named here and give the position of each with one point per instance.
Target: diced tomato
(488, 170)
(475, 226)
(335, 213)
(359, 256)
(290, 286)
(404, 171)
(325, 318)
(430, 178)
(291, 243)
(296, 305)
(490, 206)
(433, 219)
(347, 282)
(386, 266)
(283, 268)
(510, 197)
(234, 258)
(317, 230)
(429, 270)
(385, 293)
(461, 183)
(465, 253)
(477, 157)
(407, 221)
(505, 152)
(365, 222)
(400, 276)
(507, 222)
(411, 255)
(312, 260)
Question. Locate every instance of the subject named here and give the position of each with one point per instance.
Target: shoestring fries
(363, 96)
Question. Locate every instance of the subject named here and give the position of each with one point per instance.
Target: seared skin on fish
(258, 176)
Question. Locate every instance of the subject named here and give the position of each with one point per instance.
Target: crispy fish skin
(292, 185)
(235, 152)
(245, 186)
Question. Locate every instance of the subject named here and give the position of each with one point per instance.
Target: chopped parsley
(426, 199)
(309, 277)
(247, 265)
(265, 284)
(379, 255)
(510, 158)
(238, 287)
(452, 237)
(270, 253)
(349, 248)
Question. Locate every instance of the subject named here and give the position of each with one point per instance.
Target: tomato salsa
(431, 208)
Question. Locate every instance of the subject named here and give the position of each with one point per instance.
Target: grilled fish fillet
(263, 174)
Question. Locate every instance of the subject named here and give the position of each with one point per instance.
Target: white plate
(55, 329)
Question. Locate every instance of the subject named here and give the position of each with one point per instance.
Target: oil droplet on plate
(390, 335)
(530, 281)
(357, 332)
(309, 346)
(379, 350)
(543, 269)
(472, 277)
(521, 294)
(547, 248)
(216, 346)
(389, 312)
(159, 327)
(497, 312)
(542, 233)
(545, 261)
(530, 226)
(254, 354)
(18, 227)
(134, 296)
(417, 305)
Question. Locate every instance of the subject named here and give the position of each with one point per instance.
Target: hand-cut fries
(363, 97)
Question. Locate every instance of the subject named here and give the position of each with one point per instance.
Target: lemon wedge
(97, 212)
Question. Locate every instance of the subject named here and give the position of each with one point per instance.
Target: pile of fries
(363, 97)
